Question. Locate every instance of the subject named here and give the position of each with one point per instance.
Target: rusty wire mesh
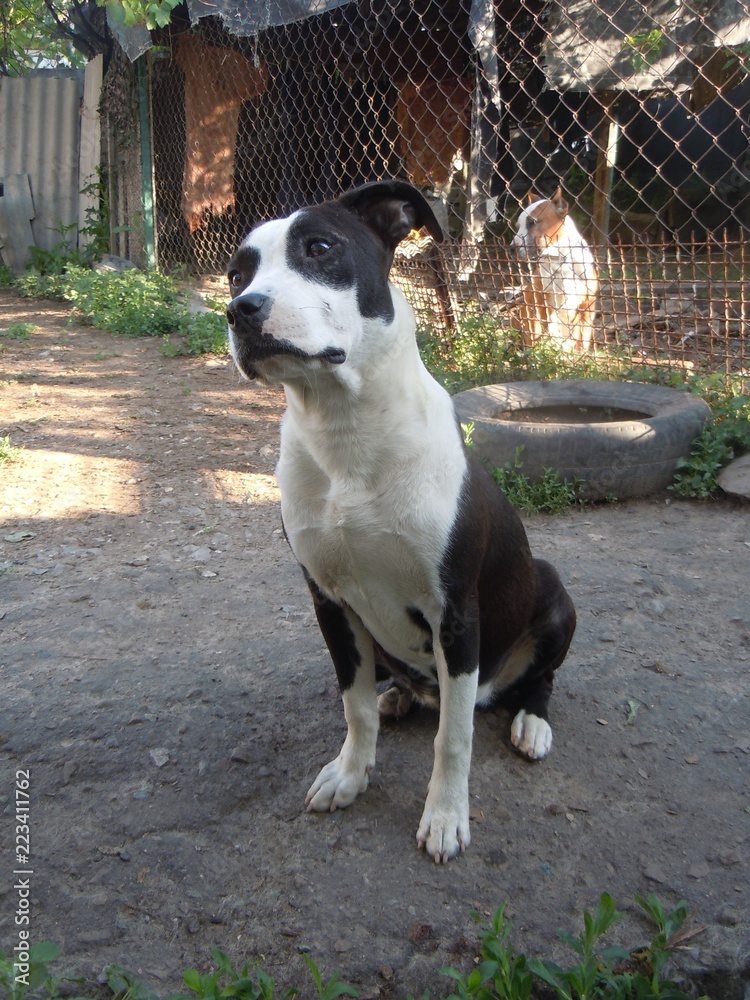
(639, 111)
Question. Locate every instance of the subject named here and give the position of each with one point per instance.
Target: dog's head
(307, 288)
(540, 225)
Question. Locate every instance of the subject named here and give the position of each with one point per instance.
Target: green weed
(18, 331)
(484, 351)
(21, 980)
(227, 983)
(199, 333)
(725, 437)
(501, 973)
(551, 495)
(611, 973)
(333, 988)
(132, 303)
(7, 452)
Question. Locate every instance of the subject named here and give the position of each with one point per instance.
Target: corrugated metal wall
(39, 136)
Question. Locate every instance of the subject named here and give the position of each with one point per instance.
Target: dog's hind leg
(352, 651)
(395, 702)
(551, 633)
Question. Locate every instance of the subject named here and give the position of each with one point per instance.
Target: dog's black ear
(392, 209)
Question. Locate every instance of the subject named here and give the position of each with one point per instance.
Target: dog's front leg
(351, 648)
(444, 827)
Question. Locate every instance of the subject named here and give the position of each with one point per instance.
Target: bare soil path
(163, 680)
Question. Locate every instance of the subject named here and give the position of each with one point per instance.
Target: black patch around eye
(242, 268)
(355, 258)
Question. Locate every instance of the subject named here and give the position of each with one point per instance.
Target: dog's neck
(348, 418)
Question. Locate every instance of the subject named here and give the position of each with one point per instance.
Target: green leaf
(44, 951)
(553, 975)
(192, 979)
(222, 961)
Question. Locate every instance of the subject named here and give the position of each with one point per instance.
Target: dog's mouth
(249, 354)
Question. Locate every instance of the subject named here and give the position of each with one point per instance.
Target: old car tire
(629, 447)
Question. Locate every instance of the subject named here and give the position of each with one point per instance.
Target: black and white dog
(419, 568)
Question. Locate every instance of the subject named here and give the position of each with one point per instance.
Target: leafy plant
(645, 47)
(132, 303)
(485, 350)
(227, 983)
(18, 331)
(7, 454)
(726, 436)
(611, 973)
(739, 58)
(502, 973)
(582, 980)
(333, 988)
(551, 495)
(199, 333)
(19, 981)
(126, 987)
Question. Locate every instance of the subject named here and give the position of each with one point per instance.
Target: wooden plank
(90, 156)
(16, 213)
(606, 141)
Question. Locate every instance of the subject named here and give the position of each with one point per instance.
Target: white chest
(377, 548)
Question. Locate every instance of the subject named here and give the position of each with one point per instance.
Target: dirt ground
(164, 682)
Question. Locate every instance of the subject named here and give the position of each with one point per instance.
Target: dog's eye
(235, 279)
(317, 248)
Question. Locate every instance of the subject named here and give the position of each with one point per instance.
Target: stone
(735, 478)
(160, 756)
(110, 262)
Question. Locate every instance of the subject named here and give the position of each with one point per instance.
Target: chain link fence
(638, 111)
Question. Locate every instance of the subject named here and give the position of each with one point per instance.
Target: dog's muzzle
(246, 315)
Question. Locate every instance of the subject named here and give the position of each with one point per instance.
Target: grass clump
(598, 973)
(131, 303)
(500, 972)
(726, 436)
(18, 331)
(7, 278)
(8, 453)
(550, 495)
(32, 978)
(482, 352)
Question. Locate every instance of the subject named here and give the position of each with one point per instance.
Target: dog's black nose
(251, 306)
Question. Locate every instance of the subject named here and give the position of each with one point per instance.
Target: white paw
(394, 703)
(444, 829)
(336, 787)
(531, 735)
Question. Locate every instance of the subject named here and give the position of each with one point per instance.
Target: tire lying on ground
(621, 439)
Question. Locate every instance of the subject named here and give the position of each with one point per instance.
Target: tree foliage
(42, 33)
